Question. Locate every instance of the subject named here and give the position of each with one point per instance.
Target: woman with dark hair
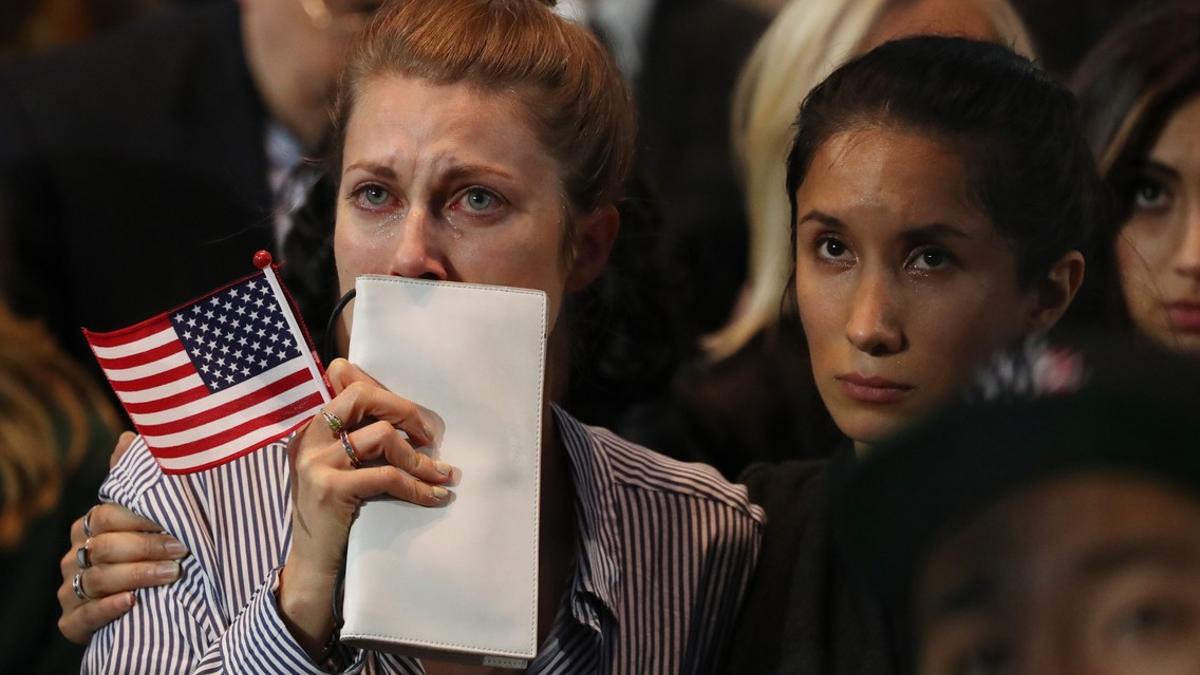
(1139, 95)
(941, 191)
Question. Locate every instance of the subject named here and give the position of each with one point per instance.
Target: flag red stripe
(226, 459)
(133, 333)
(307, 403)
(253, 398)
(142, 358)
(156, 380)
(167, 403)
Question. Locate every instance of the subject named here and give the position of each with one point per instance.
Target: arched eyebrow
(822, 218)
(1160, 169)
(374, 168)
(462, 171)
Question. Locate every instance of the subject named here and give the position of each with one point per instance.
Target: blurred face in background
(903, 285)
(1158, 247)
(296, 50)
(1093, 573)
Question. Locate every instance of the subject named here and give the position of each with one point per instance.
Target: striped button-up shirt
(665, 551)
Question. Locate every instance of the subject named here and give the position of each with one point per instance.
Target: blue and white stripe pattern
(665, 553)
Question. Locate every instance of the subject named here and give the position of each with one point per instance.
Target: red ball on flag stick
(262, 260)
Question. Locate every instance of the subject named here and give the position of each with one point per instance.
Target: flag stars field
(216, 379)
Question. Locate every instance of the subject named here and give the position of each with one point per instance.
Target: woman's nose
(873, 325)
(1187, 259)
(418, 253)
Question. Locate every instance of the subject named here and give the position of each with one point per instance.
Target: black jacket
(133, 173)
(807, 612)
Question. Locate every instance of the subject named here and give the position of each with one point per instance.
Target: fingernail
(175, 548)
(440, 492)
(167, 571)
(443, 468)
(428, 432)
(128, 603)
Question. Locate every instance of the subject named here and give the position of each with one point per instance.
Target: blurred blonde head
(803, 46)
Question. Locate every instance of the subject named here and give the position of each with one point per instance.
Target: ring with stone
(335, 423)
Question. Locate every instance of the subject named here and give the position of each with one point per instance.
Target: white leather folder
(457, 582)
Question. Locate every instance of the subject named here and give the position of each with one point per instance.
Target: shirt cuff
(267, 639)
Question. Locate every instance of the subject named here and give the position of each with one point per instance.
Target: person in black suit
(145, 168)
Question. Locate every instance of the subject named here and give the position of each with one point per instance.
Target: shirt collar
(598, 569)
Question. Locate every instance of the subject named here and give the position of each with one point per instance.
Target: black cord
(330, 350)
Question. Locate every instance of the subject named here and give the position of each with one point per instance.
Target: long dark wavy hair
(1129, 85)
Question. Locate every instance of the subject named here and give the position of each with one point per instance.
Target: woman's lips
(872, 389)
(1184, 316)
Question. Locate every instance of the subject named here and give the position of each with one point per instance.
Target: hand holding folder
(458, 582)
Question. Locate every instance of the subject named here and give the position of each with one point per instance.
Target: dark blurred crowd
(149, 147)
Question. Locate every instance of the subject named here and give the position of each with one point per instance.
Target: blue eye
(372, 196)
(478, 199)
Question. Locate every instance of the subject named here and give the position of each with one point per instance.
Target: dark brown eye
(931, 259)
(829, 247)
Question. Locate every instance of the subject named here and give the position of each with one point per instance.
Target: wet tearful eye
(478, 199)
(374, 195)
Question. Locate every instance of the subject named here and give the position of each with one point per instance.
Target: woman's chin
(870, 427)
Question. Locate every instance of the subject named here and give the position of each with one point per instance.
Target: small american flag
(217, 378)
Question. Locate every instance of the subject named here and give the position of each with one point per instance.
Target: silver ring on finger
(349, 448)
(83, 556)
(87, 523)
(77, 587)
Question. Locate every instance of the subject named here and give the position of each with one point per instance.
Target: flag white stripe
(158, 339)
(162, 391)
(153, 368)
(293, 326)
(222, 397)
(226, 422)
(254, 439)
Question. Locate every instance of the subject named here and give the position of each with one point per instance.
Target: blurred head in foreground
(1056, 530)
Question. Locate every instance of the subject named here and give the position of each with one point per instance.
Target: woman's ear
(1054, 293)
(594, 237)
